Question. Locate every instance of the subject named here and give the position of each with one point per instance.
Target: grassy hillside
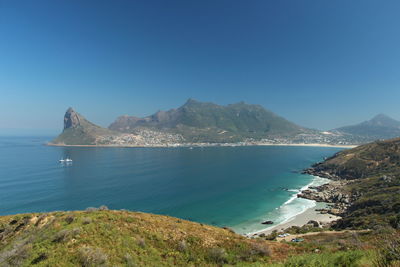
(120, 238)
(97, 237)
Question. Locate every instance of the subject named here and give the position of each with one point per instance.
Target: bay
(238, 187)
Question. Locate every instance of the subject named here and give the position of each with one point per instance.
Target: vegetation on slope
(208, 122)
(121, 238)
(100, 237)
(374, 172)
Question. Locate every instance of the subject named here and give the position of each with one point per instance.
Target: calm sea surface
(225, 186)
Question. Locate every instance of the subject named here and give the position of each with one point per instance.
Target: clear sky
(320, 64)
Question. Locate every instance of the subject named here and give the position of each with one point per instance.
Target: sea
(236, 187)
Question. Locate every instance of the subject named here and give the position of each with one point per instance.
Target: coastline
(311, 145)
(309, 214)
(300, 220)
(207, 145)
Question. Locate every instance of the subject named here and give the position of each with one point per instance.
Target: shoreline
(303, 217)
(300, 220)
(206, 145)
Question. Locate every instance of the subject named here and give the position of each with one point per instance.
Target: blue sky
(321, 64)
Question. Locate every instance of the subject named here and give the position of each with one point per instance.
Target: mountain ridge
(233, 121)
(380, 126)
(207, 123)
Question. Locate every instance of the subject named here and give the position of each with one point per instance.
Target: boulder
(267, 222)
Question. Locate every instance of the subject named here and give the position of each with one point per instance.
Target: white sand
(313, 145)
(301, 219)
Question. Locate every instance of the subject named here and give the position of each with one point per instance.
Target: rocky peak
(71, 119)
(383, 120)
(191, 102)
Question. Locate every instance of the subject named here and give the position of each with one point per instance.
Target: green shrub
(92, 257)
(261, 249)
(182, 246)
(86, 220)
(218, 255)
(340, 259)
(66, 234)
(141, 242)
(388, 253)
(129, 261)
(16, 254)
(69, 219)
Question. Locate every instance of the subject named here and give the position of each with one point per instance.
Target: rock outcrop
(332, 193)
(71, 119)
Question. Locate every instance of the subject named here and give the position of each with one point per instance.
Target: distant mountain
(79, 131)
(379, 127)
(207, 122)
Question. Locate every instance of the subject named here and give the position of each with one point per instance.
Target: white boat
(65, 160)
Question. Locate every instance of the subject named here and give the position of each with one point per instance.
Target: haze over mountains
(379, 127)
(201, 122)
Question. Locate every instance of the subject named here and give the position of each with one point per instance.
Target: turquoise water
(225, 186)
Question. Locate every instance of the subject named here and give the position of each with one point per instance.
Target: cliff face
(71, 119)
(79, 131)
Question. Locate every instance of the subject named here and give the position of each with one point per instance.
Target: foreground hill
(379, 127)
(207, 122)
(99, 237)
(120, 238)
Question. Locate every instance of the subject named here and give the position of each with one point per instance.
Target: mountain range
(198, 122)
(208, 122)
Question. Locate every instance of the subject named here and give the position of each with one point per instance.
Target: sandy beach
(301, 219)
(202, 145)
(312, 145)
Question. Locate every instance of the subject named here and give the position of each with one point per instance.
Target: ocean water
(238, 187)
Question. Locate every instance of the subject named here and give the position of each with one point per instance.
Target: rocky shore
(334, 192)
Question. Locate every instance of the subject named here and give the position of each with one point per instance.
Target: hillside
(100, 237)
(207, 122)
(379, 127)
(371, 175)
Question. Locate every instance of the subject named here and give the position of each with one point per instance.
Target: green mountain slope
(208, 122)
